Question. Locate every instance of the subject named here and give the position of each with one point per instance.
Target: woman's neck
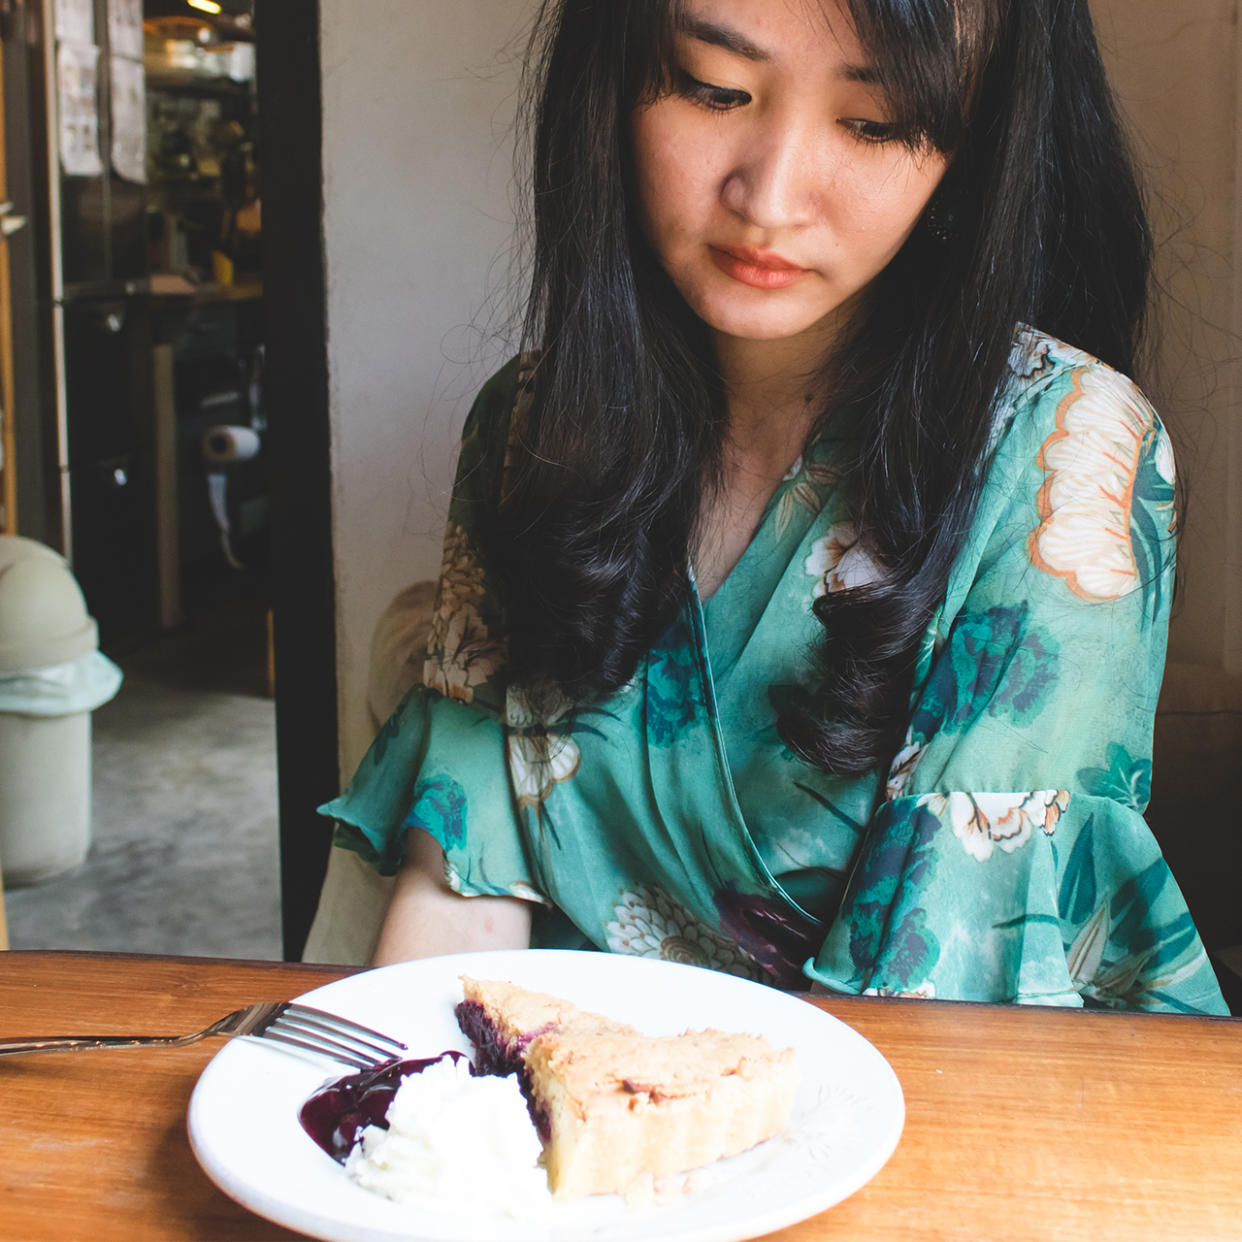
(770, 390)
(770, 393)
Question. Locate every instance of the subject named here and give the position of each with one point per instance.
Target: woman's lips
(761, 269)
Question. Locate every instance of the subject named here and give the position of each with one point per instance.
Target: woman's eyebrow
(868, 75)
(719, 35)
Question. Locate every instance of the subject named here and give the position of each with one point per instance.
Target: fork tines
(333, 1036)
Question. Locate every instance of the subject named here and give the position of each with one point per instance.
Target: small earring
(941, 219)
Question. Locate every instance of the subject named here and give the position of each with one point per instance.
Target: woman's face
(769, 182)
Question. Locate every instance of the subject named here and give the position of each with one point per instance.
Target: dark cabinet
(114, 543)
(110, 462)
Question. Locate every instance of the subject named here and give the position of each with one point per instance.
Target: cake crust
(520, 1014)
(616, 1107)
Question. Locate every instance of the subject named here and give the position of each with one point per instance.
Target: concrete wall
(418, 103)
(418, 100)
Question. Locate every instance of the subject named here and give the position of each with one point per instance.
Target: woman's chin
(753, 315)
(766, 327)
(764, 323)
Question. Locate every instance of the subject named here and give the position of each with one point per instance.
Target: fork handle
(83, 1043)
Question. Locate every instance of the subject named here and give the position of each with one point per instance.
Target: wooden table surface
(1020, 1123)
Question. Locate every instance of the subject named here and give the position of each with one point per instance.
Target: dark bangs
(929, 57)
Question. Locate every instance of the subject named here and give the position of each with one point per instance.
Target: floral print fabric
(1002, 855)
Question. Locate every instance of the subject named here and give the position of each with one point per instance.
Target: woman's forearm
(426, 918)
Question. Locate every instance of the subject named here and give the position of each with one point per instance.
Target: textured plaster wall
(418, 103)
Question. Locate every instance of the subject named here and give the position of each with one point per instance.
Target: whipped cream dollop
(456, 1141)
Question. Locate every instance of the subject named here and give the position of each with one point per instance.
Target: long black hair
(591, 539)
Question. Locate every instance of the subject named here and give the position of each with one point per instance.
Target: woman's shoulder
(507, 387)
(1082, 470)
(1044, 370)
(494, 418)
(1058, 394)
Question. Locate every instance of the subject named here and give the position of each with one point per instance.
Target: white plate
(847, 1119)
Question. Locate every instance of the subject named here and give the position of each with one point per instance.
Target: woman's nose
(774, 179)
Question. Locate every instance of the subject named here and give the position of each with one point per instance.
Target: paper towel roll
(222, 445)
(218, 497)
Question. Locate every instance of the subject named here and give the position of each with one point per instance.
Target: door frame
(299, 448)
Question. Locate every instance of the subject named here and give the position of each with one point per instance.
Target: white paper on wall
(129, 119)
(125, 28)
(75, 21)
(77, 67)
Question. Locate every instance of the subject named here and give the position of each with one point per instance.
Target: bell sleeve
(1009, 859)
(439, 763)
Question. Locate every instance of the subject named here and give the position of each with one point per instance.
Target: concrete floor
(184, 853)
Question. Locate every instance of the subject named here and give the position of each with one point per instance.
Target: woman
(803, 611)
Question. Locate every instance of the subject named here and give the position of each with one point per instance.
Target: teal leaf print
(912, 952)
(1124, 779)
(1121, 957)
(1151, 521)
(898, 857)
(1133, 902)
(440, 809)
(993, 664)
(675, 695)
(547, 827)
(1077, 897)
(1022, 920)
(829, 805)
(1173, 939)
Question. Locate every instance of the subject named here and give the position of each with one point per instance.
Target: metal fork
(287, 1022)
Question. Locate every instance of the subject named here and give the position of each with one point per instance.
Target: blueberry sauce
(494, 1054)
(337, 1114)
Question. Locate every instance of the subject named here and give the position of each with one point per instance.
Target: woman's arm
(426, 917)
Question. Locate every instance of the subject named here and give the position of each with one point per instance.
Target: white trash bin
(52, 676)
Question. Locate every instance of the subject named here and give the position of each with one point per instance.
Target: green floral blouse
(1003, 855)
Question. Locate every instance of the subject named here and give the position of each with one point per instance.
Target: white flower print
(1031, 354)
(839, 560)
(983, 821)
(1087, 952)
(1165, 466)
(649, 923)
(925, 991)
(1091, 462)
(460, 653)
(902, 767)
(539, 756)
(524, 891)
(808, 478)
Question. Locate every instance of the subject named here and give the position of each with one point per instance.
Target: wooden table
(1021, 1123)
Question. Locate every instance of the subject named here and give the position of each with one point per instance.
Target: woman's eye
(872, 131)
(716, 98)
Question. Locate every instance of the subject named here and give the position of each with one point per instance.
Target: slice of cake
(615, 1107)
(501, 1019)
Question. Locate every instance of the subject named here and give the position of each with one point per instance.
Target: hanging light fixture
(206, 6)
